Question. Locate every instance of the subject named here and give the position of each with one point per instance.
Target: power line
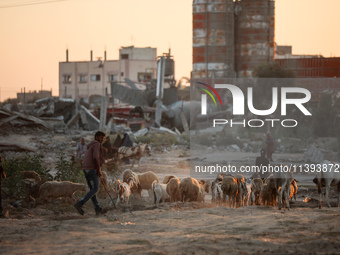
(30, 3)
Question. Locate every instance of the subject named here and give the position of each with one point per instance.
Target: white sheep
(137, 187)
(216, 191)
(159, 192)
(123, 190)
(327, 178)
(249, 195)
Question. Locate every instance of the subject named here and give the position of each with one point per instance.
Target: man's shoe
(101, 211)
(79, 209)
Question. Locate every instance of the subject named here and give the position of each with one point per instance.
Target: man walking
(81, 149)
(2, 175)
(269, 146)
(261, 162)
(92, 163)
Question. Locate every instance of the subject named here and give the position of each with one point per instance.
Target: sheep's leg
(283, 185)
(328, 186)
(150, 192)
(139, 163)
(158, 199)
(224, 197)
(287, 200)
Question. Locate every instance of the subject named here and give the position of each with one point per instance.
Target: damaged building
(89, 80)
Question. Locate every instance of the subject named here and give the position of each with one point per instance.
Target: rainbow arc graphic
(204, 97)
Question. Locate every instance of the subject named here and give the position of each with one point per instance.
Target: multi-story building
(231, 38)
(307, 66)
(90, 79)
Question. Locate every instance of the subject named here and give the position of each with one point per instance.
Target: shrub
(14, 182)
(67, 170)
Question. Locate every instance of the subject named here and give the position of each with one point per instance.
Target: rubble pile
(49, 114)
(20, 123)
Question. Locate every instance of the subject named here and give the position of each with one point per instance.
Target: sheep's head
(131, 182)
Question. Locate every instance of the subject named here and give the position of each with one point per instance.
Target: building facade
(231, 38)
(86, 79)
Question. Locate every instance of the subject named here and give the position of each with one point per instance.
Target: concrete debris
(121, 129)
(18, 121)
(48, 113)
(163, 130)
(5, 146)
(141, 132)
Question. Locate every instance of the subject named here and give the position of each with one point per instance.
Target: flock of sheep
(235, 191)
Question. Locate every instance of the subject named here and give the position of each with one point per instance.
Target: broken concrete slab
(5, 146)
(141, 132)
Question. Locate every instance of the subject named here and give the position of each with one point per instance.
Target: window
(112, 77)
(82, 78)
(67, 78)
(95, 77)
(124, 56)
(122, 74)
(144, 77)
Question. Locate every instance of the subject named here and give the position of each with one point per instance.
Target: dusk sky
(34, 37)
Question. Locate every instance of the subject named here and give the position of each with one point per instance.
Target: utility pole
(159, 90)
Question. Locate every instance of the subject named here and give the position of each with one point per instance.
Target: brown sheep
(257, 190)
(146, 180)
(172, 189)
(192, 190)
(230, 187)
(31, 175)
(102, 193)
(167, 178)
(242, 189)
(269, 192)
(32, 182)
(204, 188)
(264, 195)
(55, 189)
(137, 187)
(292, 192)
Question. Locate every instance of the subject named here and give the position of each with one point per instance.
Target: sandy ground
(174, 228)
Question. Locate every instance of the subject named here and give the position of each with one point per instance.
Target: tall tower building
(231, 38)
